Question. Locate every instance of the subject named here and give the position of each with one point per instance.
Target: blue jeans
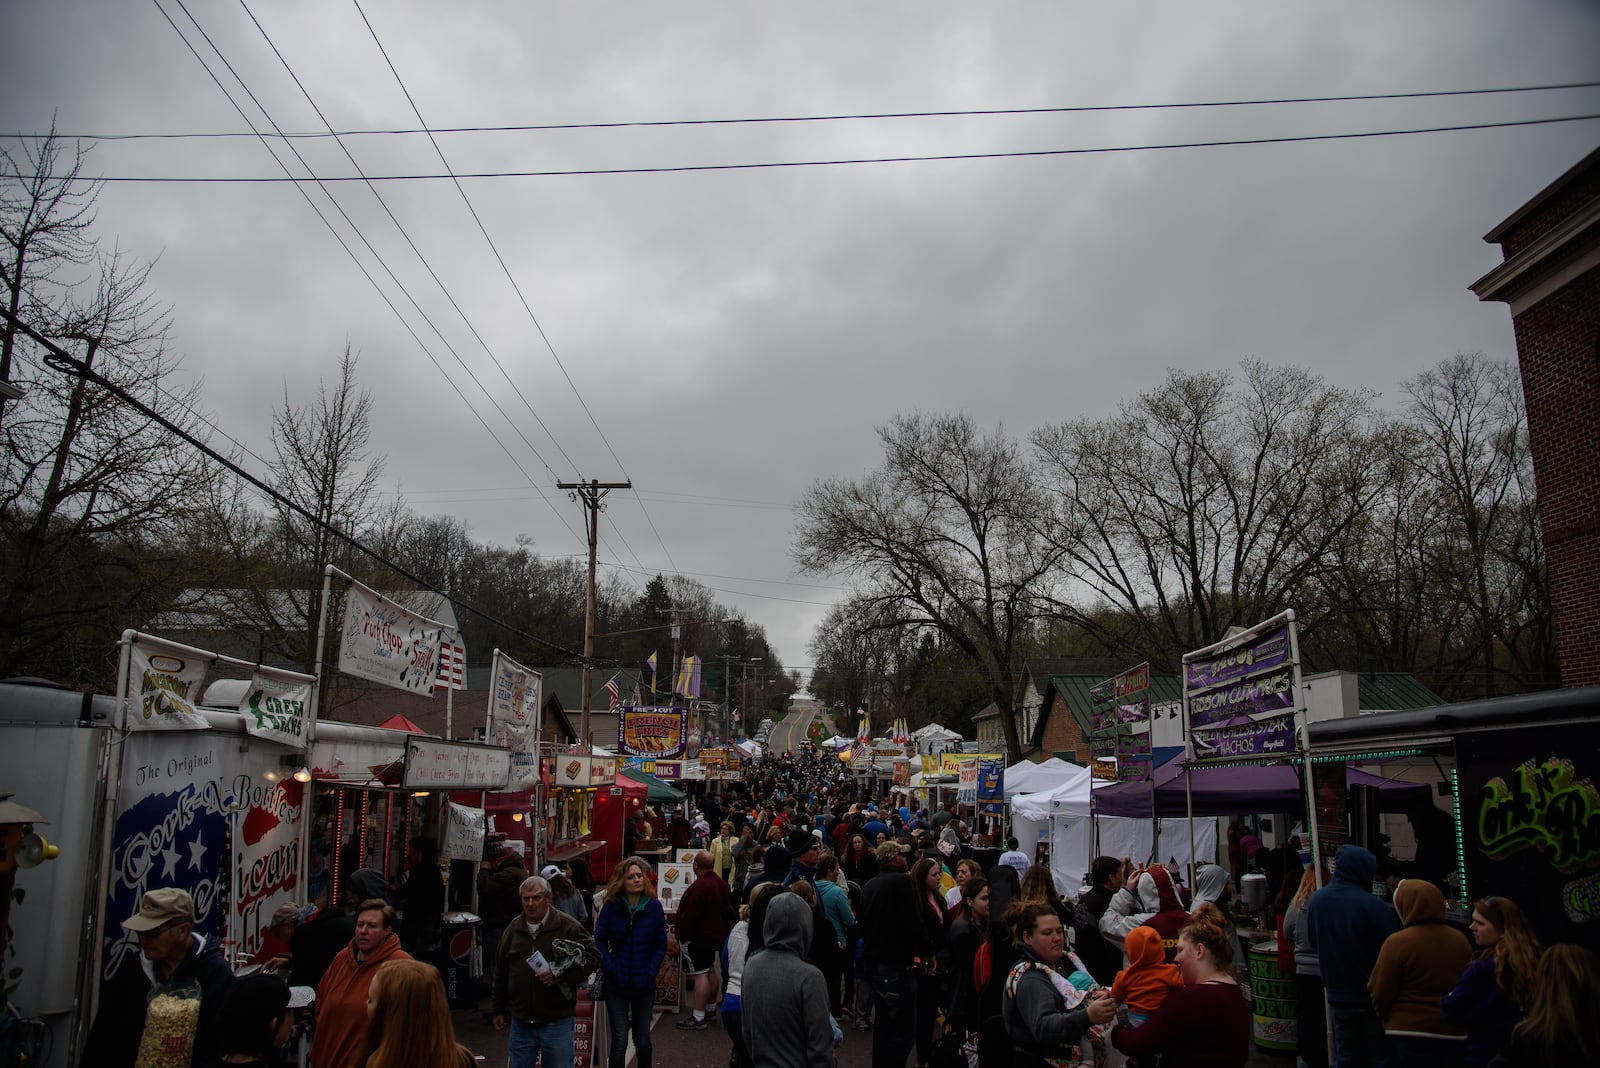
(1358, 1039)
(733, 1019)
(553, 1039)
(622, 1012)
(894, 1015)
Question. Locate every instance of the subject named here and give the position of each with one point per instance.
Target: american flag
(615, 690)
(452, 665)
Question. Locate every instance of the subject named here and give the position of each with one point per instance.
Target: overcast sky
(740, 333)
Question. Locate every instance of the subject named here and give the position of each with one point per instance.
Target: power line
(64, 362)
(690, 168)
(299, 186)
(520, 295)
(420, 257)
(846, 117)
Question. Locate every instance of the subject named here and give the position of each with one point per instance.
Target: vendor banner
(1253, 739)
(653, 732)
(515, 695)
(276, 708)
(1267, 649)
(1124, 698)
(199, 812)
(1133, 745)
(164, 686)
(967, 782)
(1530, 819)
(991, 779)
(1253, 677)
(1103, 748)
(385, 643)
(1134, 768)
(463, 833)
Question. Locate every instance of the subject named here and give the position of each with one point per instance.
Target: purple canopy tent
(1228, 790)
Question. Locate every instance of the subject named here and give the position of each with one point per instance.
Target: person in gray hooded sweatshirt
(1213, 884)
(783, 998)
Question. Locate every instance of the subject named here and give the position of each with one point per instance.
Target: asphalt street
(789, 733)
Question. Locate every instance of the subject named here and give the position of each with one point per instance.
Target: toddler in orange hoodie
(1143, 985)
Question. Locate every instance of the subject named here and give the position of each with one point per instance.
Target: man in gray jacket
(784, 999)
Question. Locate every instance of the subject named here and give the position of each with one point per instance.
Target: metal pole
(108, 822)
(307, 795)
(1188, 772)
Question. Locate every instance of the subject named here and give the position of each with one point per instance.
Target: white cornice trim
(1514, 280)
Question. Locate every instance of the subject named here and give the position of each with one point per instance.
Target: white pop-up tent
(1062, 813)
(1026, 777)
(1065, 793)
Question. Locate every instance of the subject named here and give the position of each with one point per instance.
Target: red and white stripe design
(452, 666)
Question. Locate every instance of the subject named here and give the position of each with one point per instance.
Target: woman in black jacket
(860, 860)
(932, 974)
(968, 931)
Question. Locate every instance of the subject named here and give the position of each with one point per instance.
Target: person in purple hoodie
(1492, 992)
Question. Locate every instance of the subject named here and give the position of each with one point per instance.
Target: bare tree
(939, 538)
(1200, 506)
(322, 469)
(93, 494)
(46, 214)
(1475, 466)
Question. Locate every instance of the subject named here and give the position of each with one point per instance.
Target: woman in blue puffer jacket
(631, 932)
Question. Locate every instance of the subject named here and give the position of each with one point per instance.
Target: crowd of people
(816, 908)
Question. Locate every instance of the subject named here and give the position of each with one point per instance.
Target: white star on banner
(169, 861)
(196, 852)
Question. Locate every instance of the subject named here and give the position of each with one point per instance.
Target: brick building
(1551, 280)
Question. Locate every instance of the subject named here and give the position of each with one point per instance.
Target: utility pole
(590, 494)
(727, 696)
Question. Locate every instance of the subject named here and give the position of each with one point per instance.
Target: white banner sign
(435, 764)
(383, 642)
(514, 695)
(163, 685)
(967, 782)
(463, 833)
(277, 709)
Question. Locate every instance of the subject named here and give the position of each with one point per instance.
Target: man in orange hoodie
(341, 1037)
(1144, 984)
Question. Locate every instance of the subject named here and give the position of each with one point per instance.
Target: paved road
(789, 733)
(710, 1048)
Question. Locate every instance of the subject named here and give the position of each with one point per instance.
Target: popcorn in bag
(170, 1020)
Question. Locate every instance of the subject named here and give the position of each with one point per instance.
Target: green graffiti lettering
(1544, 807)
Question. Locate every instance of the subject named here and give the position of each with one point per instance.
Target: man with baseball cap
(171, 953)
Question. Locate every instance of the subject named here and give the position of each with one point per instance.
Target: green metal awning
(657, 789)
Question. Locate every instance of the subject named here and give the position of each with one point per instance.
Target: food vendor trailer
(1520, 777)
(212, 809)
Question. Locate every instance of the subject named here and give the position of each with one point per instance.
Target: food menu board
(434, 764)
(671, 881)
(669, 980)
